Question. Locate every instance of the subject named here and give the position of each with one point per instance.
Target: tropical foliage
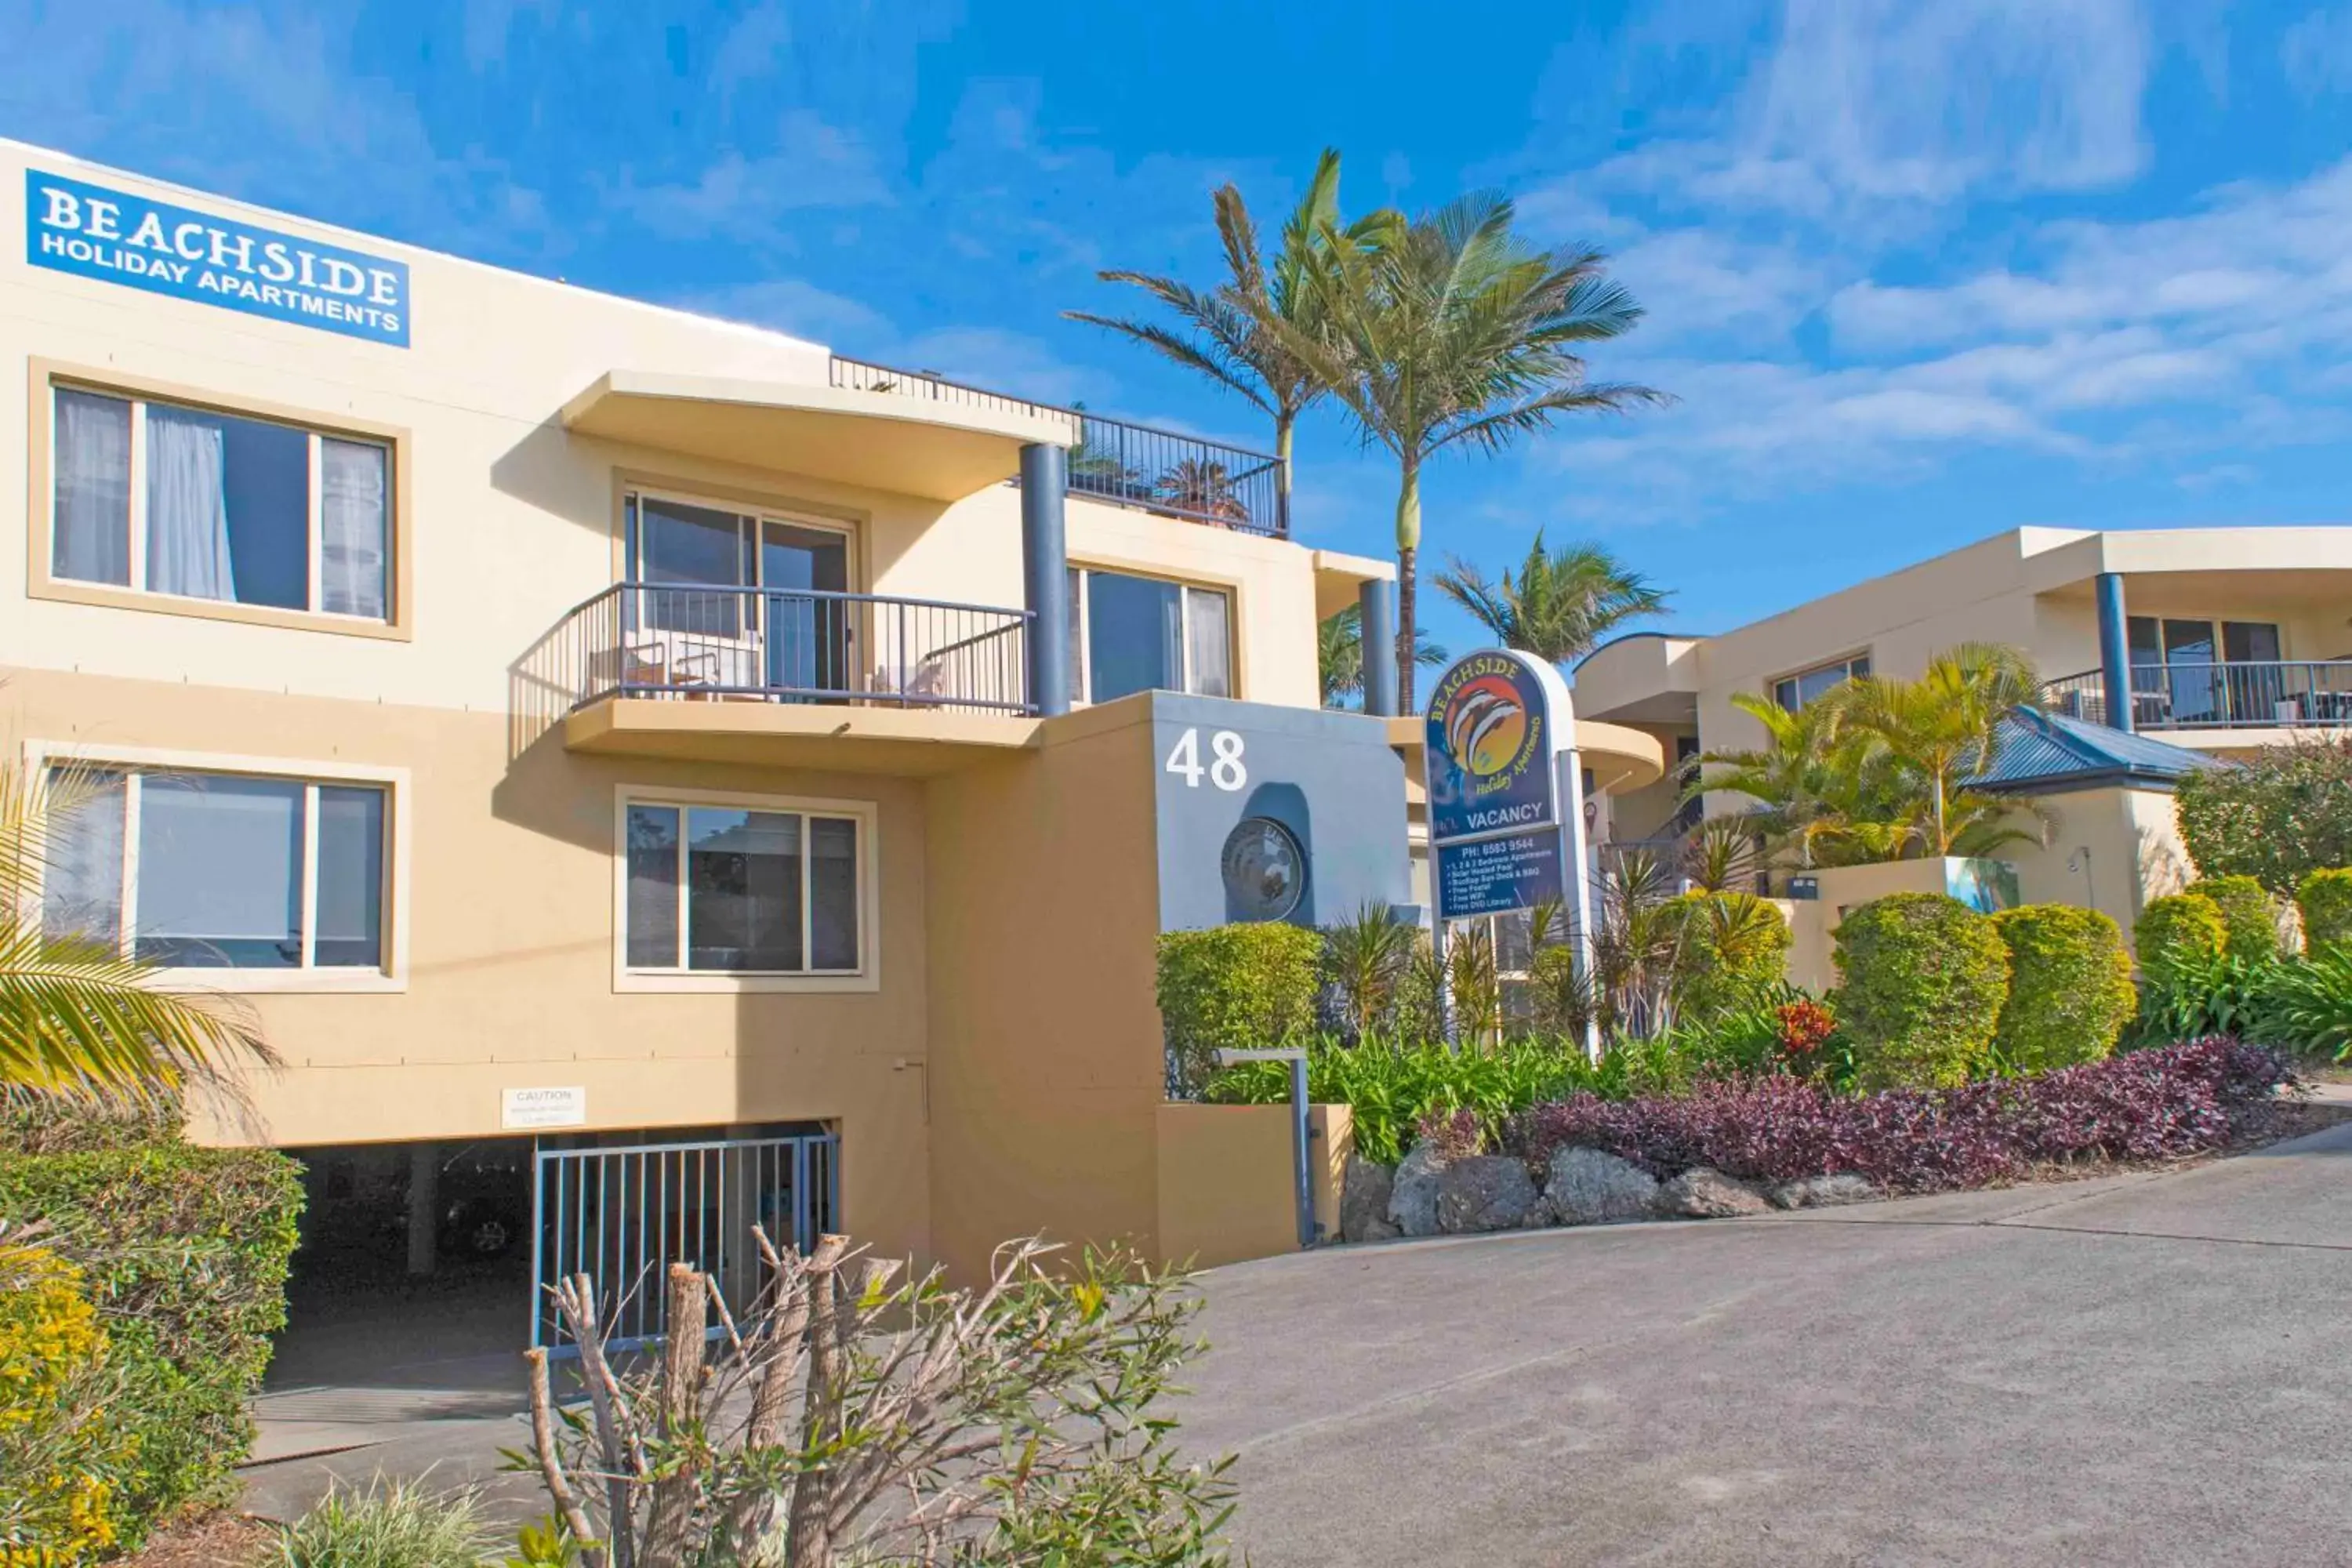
(76, 1016)
(1878, 769)
(1923, 980)
(1561, 603)
(1340, 655)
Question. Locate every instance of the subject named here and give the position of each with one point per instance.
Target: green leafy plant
(2283, 812)
(2070, 989)
(2249, 916)
(2306, 1005)
(391, 1524)
(2180, 931)
(1246, 986)
(65, 1458)
(1731, 950)
(1474, 986)
(1365, 959)
(1925, 976)
(184, 1252)
(2324, 900)
(1392, 1087)
(2193, 994)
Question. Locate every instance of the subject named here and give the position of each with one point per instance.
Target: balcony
(783, 677)
(1125, 465)
(2237, 695)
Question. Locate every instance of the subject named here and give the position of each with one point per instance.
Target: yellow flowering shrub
(60, 1456)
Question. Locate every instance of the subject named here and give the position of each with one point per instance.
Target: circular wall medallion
(1264, 869)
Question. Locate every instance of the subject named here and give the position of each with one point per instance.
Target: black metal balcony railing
(1126, 464)
(2244, 695)
(785, 645)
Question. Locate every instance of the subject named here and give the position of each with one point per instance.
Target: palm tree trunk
(1408, 537)
(1282, 424)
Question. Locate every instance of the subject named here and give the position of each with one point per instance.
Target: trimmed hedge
(2148, 1105)
(1925, 976)
(2247, 914)
(2325, 898)
(1244, 987)
(2070, 987)
(184, 1252)
(2180, 932)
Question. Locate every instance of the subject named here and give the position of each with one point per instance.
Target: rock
(1704, 1194)
(1412, 1193)
(1485, 1191)
(1364, 1192)
(1824, 1192)
(1588, 1187)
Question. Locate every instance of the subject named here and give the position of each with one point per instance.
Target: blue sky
(1915, 272)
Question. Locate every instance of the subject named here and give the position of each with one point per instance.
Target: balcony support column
(1376, 598)
(2114, 650)
(1046, 576)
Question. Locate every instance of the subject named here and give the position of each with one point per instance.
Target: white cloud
(802, 309)
(2316, 53)
(814, 166)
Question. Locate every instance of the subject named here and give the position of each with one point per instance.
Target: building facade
(577, 725)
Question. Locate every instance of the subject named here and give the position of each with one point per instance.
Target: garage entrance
(623, 1213)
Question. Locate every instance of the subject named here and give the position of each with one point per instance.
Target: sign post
(1506, 798)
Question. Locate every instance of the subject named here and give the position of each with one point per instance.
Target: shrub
(1392, 1089)
(2151, 1105)
(1733, 951)
(2189, 998)
(2325, 900)
(1923, 980)
(2305, 1005)
(393, 1524)
(2281, 815)
(184, 1253)
(2180, 930)
(2249, 916)
(2070, 987)
(64, 1454)
(1246, 986)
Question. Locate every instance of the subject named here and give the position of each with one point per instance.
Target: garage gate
(622, 1215)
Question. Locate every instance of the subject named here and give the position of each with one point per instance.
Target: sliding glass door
(736, 600)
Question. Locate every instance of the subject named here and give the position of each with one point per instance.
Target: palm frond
(78, 1018)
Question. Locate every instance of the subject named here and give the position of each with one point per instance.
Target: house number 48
(1225, 769)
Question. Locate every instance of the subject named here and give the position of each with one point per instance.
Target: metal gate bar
(622, 1215)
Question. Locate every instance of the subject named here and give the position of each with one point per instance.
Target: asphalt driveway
(2144, 1368)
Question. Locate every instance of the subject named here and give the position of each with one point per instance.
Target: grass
(392, 1524)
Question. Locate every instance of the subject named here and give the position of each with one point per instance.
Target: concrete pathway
(2141, 1369)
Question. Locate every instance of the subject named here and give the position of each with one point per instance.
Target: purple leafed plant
(2149, 1105)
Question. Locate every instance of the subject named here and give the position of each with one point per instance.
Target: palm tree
(1562, 603)
(1932, 732)
(1340, 655)
(1202, 487)
(1801, 795)
(1449, 330)
(77, 1017)
(1223, 333)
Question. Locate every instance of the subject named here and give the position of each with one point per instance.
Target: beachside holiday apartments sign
(1500, 758)
(118, 237)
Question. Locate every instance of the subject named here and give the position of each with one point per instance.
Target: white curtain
(1211, 644)
(351, 529)
(187, 505)
(92, 542)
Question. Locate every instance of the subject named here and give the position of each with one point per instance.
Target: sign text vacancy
(116, 237)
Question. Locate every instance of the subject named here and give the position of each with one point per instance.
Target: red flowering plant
(1805, 1026)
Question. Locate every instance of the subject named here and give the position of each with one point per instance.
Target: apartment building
(718, 776)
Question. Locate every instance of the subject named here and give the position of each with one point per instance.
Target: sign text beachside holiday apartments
(118, 237)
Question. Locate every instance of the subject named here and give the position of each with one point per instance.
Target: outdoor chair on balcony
(923, 684)
(657, 661)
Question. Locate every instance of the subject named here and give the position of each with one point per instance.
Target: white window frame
(1846, 662)
(633, 527)
(868, 977)
(316, 434)
(1080, 656)
(391, 974)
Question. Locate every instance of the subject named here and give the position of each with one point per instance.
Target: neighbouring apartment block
(601, 731)
(2207, 641)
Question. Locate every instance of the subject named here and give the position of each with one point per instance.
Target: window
(1795, 691)
(200, 504)
(1136, 634)
(203, 870)
(752, 601)
(733, 889)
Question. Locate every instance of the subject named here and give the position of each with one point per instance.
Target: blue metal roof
(2035, 751)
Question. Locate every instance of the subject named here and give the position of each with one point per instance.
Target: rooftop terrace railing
(2266, 694)
(1125, 465)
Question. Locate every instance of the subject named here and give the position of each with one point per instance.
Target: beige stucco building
(2226, 640)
